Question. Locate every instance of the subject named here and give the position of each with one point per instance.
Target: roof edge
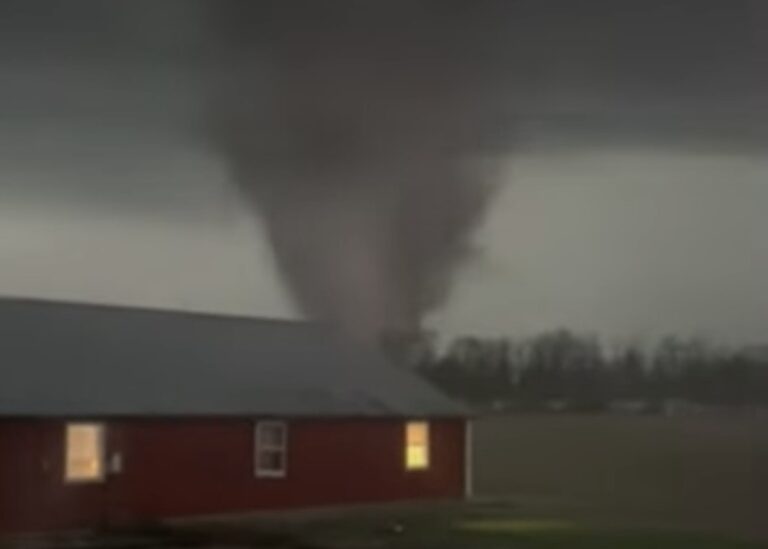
(109, 306)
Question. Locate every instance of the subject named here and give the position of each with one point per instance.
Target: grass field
(688, 472)
(442, 527)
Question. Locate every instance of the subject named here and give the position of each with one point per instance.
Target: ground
(698, 472)
(478, 526)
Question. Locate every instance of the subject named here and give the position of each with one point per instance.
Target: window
(271, 448)
(84, 452)
(416, 445)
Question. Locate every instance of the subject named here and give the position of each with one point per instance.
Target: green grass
(517, 526)
(592, 539)
(436, 527)
(456, 532)
(545, 534)
(461, 527)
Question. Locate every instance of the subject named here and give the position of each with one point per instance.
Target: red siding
(178, 468)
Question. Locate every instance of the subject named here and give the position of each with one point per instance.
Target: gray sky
(628, 212)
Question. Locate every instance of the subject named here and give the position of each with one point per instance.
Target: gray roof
(66, 360)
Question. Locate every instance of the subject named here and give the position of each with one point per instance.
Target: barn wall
(33, 495)
(189, 467)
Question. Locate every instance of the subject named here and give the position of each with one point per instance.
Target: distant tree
(564, 365)
(629, 369)
(575, 368)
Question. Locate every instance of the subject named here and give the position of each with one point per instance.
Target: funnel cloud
(358, 131)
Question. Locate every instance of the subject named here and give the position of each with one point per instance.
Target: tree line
(579, 371)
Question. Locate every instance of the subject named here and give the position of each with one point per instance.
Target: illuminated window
(416, 445)
(271, 448)
(84, 452)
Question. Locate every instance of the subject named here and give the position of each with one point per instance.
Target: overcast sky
(630, 206)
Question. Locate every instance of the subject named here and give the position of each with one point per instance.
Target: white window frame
(427, 445)
(102, 449)
(259, 447)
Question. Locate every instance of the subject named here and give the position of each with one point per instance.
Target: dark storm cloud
(88, 78)
(693, 54)
(677, 72)
(685, 69)
(352, 126)
(98, 107)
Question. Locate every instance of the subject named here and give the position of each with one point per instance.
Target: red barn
(113, 415)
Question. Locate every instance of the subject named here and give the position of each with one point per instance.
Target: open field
(444, 528)
(698, 472)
